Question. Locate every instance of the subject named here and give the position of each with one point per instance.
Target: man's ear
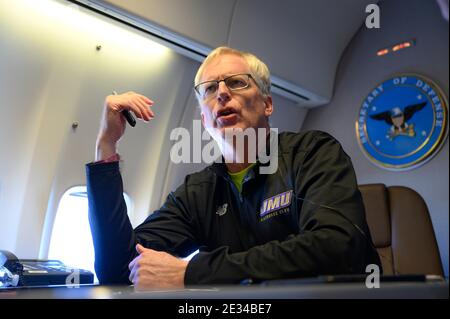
(268, 110)
(203, 119)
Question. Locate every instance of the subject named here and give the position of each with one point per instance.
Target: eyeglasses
(234, 82)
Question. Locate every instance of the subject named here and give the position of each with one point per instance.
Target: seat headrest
(376, 202)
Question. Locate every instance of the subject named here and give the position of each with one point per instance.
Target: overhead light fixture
(396, 47)
(383, 52)
(52, 20)
(401, 46)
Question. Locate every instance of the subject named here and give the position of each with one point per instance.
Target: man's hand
(156, 269)
(112, 125)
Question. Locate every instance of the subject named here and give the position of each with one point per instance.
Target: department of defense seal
(402, 122)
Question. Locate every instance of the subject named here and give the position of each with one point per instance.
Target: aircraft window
(71, 240)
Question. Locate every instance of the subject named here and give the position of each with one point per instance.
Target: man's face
(244, 108)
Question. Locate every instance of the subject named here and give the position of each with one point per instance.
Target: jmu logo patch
(403, 122)
(275, 203)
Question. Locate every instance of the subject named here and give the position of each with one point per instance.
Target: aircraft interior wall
(361, 70)
(58, 63)
(56, 67)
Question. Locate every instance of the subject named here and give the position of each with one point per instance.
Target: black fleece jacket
(304, 220)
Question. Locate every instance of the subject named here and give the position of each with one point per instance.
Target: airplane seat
(401, 230)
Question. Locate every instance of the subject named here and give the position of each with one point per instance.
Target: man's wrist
(104, 150)
(183, 273)
(113, 158)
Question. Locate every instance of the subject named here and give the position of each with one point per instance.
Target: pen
(127, 114)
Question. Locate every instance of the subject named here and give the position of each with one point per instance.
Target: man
(304, 219)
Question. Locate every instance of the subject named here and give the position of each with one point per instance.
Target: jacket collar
(219, 167)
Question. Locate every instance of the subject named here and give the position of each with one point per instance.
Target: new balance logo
(222, 209)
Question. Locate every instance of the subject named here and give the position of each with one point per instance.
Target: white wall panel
(52, 75)
(204, 21)
(302, 41)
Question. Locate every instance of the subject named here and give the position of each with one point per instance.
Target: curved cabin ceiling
(302, 41)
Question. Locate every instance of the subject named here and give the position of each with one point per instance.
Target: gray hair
(258, 69)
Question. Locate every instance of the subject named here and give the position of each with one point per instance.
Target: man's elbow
(350, 253)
